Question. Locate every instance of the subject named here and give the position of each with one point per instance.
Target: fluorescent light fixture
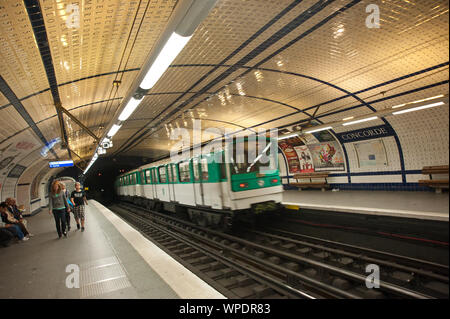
(114, 129)
(320, 129)
(427, 106)
(348, 118)
(418, 101)
(94, 158)
(429, 98)
(169, 52)
(129, 109)
(360, 121)
(287, 136)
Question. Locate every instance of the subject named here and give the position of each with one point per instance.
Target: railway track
(272, 263)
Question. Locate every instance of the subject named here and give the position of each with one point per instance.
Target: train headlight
(261, 183)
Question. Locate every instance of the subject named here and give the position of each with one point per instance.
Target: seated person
(12, 207)
(8, 218)
(14, 230)
(17, 213)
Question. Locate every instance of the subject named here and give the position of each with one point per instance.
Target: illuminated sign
(365, 134)
(60, 164)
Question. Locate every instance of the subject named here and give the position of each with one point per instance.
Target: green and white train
(210, 191)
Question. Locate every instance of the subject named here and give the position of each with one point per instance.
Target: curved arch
(70, 82)
(235, 66)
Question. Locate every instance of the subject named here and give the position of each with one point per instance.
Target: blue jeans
(60, 220)
(16, 231)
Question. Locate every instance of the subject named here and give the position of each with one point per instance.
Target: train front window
(253, 158)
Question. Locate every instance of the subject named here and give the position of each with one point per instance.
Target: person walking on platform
(58, 206)
(66, 192)
(78, 198)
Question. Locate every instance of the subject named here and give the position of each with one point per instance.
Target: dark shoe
(78, 226)
(82, 228)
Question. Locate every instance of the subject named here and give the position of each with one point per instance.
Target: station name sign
(60, 164)
(365, 134)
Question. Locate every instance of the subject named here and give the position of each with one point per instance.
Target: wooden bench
(437, 184)
(316, 184)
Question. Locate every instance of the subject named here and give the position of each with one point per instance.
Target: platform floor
(114, 261)
(419, 205)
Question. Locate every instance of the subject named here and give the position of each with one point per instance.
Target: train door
(154, 182)
(210, 177)
(198, 185)
(127, 182)
(148, 187)
(141, 183)
(163, 186)
(184, 189)
(171, 180)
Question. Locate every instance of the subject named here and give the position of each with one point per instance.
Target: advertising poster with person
(288, 147)
(327, 156)
(305, 159)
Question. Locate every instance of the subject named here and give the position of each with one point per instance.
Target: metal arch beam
(71, 82)
(73, 118)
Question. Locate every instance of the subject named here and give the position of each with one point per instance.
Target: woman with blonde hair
(58, 207)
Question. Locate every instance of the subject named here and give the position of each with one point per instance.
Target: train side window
(162, 174)
(147, 177)
(204, 166)
(142, 177)
(184, 172)
(196, 170)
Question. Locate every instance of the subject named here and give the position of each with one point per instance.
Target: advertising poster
(14, 149)
(305, 159)
(288, 147)
(327, 156)
(371, 153)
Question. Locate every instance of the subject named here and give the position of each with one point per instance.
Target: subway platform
(111, 258)
(412, 205)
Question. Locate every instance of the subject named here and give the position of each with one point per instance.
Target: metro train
(212, 191)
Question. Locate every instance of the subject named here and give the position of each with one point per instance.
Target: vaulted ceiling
(250, 64)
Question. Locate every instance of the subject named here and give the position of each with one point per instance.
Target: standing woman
(58, 206)
(66, 193)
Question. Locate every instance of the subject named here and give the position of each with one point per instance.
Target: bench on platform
(323, 184)
(437, 184)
